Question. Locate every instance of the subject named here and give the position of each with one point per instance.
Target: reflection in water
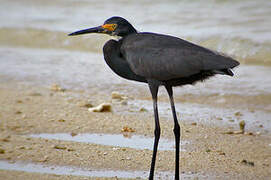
(135, 141)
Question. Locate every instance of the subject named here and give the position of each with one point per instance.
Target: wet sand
(210, 154)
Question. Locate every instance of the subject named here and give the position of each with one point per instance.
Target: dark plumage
(158, 60)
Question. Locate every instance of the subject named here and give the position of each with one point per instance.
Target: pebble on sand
(249, 163)
(242, 125)
(60, 147)
(104, 107)
(19, 101)
(143, 109)
(18, 112)
(57, 88)
(73, 134)
(238, 114)
(2, 151)
(44, 159)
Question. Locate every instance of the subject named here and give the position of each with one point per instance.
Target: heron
(159, 60)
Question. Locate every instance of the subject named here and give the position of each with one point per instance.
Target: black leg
(154, 90)
(176, 132)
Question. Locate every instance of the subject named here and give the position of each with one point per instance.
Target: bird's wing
(164, 57)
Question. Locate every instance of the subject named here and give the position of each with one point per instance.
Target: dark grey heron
(158, 60)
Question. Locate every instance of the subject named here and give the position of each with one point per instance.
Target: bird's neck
(130, 30)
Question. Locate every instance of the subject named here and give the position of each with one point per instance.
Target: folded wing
(164, 57)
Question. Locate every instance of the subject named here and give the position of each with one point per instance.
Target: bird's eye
(114, 26)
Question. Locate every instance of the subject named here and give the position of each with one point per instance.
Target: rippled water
(239, 28)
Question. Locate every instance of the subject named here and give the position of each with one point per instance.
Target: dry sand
(26, 110)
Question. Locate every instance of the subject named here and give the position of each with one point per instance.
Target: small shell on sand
(117, 95)
(104, 107)
(127, 129)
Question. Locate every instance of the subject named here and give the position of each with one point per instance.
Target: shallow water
(78, 70)
(75, 171)
(34, 45)
(117, 140)
(257, 122)
(239, 28)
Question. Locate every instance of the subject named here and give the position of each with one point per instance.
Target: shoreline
(28, 109)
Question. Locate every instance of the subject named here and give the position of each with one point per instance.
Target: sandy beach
(48, 82)
(213, 152)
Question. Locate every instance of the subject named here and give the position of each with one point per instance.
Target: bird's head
(114, 26)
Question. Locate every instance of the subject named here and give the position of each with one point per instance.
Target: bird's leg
(154, 90)
(176, 131)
